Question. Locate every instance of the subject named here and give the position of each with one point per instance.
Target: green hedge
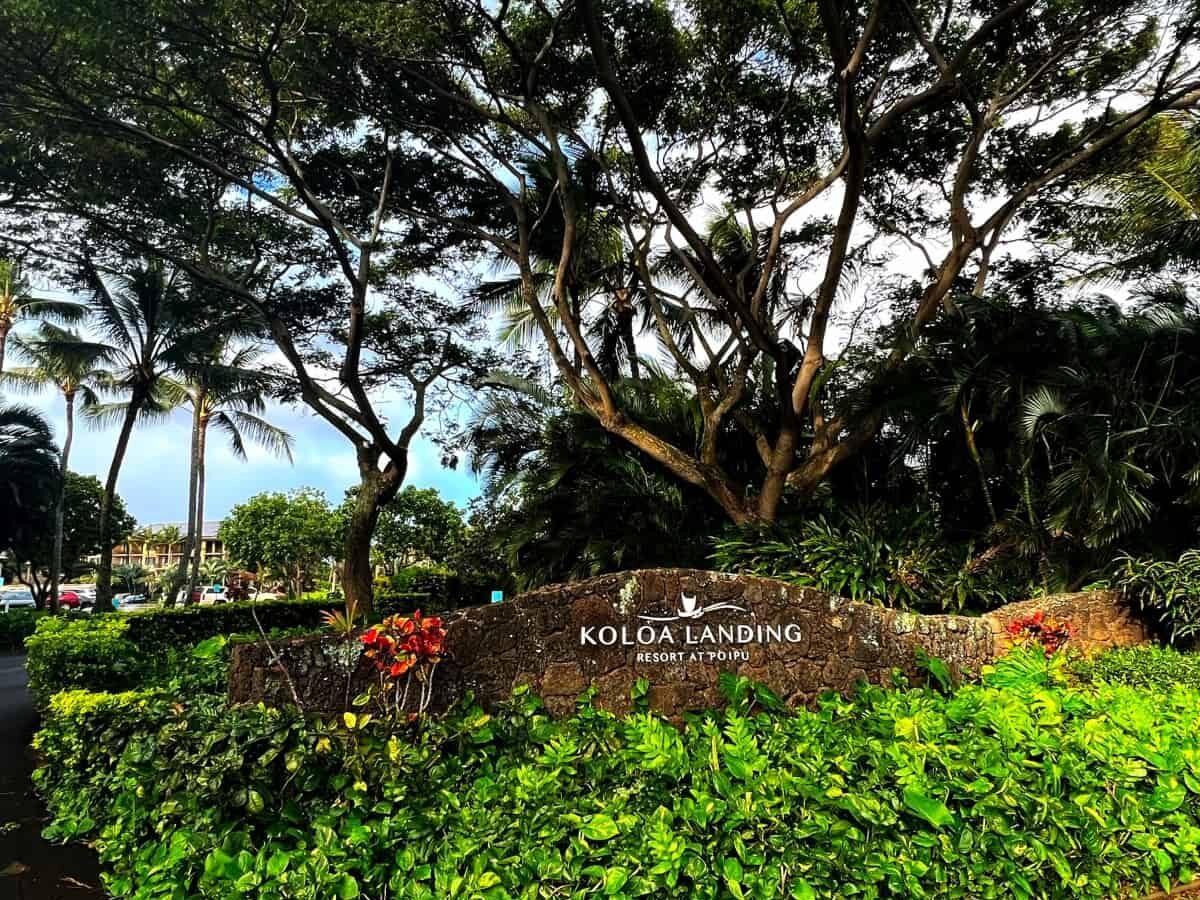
(1160, 668)
(83, 652)
(121, 651)
(16, 625)
(192, 624)
(1019, 786)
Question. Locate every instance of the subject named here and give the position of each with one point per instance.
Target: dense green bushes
(82, 652)
(191, 624)
(1168, 589)
(16, 625)
(1016, 787)
(1159, 668)
(121, 651)
(895, 557)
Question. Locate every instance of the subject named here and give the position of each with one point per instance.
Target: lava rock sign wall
(677, 628)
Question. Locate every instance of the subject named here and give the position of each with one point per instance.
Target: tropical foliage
(569, 500)
(893, 793)
(283, 536)
(1169, 590)
(29, 472)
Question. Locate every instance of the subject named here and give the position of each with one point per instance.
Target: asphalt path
(32, 868)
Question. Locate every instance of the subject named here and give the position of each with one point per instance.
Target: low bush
(16, 625)
(83, 652)
(878, 555)
(1159, 668)
(122, 651)
(1168, 589)
(448, 588)
(1019, 786)
(192, 624)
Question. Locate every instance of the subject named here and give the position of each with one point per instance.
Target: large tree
(286, 536)
(305, 157)
(265, 178)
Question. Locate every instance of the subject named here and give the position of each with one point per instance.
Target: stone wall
(677, 628)
(1098, 619)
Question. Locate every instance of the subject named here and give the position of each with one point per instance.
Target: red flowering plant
(1038, 628)
(404, 649)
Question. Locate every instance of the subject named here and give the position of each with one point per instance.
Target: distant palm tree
(215, 570)
(72, 375)
(131, 575)
(225, 390)
(147, 327)
(17, 303)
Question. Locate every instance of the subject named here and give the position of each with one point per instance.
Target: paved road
(31, 868)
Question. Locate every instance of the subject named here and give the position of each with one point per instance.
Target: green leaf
(932, 811)
(600, 828)
(210, 648)
(277, 864)
(614, 879)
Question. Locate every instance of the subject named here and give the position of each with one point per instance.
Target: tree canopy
(285, 536)
(83, 497)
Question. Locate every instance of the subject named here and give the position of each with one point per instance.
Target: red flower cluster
(399, 643)
(1041, 629)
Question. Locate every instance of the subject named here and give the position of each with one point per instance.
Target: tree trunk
(59, 506)
(104, 591)
(201, 440)
(185, 558)
(375, 489)
(4, 329)
(37, 590)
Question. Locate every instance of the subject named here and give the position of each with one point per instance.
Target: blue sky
(154, 477)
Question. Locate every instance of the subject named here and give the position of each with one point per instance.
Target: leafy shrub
(82, 652)
(892, 557)
(446, 588)
(1018, 786)
(122, 651)
(16, 625)
(1170, 589)
(1159, 668)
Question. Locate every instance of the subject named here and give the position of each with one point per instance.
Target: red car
(69, 599)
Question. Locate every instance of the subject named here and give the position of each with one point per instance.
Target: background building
(160, 546)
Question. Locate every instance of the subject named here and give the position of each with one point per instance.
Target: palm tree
(28, 469)
(17, 303)
(147, 327)
(574, 501)
(224, 390)
(1152, 209)
(131, 575)
(215, 570)
(72, 375)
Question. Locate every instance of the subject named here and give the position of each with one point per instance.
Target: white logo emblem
(688, 609)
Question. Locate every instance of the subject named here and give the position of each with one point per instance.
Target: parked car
(16, 599)
(70, 599)
(213, 594)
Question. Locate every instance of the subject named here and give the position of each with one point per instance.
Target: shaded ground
(30, 867)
